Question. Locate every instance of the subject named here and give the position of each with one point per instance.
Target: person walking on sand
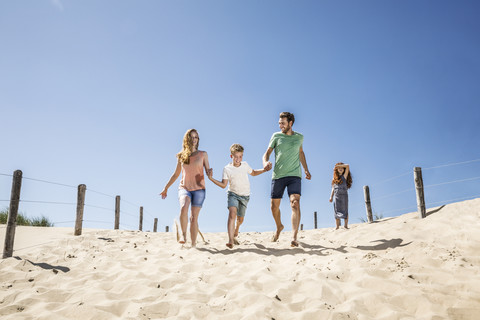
(191, 192)
(341, 182)
(287, 173)
(236, 175)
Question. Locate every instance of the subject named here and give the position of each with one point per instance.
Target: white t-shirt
(238, 178)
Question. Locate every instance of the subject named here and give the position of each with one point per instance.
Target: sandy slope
(397, 268)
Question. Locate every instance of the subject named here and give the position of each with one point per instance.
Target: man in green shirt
(287, 173)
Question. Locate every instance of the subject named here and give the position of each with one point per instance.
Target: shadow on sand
(260, 249)
(384, 245)
(47, 266)
(435, 211)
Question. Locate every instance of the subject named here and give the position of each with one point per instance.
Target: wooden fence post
(417, 173)
(12, 214)
(315, 220)
(155, 222)
(140, 227)
(80, 206)
(166, 229)
(117, 213)
(368, 205)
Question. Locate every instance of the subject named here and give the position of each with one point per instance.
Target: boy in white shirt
(236, 175)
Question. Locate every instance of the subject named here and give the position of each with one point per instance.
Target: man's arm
(303, 161)
(267, 165)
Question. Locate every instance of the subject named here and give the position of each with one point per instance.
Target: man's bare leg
(275, 206)
(296, 215)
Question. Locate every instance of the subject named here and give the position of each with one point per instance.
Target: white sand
(398, 268)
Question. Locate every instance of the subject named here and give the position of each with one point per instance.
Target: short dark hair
(289, 116)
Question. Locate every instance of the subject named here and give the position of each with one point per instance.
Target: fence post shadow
(434, 211)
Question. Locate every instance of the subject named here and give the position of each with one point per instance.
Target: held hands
(210, 173)
(267, 166)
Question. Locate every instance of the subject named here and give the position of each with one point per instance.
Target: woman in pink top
(191, 190)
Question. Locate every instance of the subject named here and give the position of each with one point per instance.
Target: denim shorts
(240, 202)
(196, 197)
(293, 185)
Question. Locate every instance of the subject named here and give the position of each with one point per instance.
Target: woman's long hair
(337, 179)
(187, 147)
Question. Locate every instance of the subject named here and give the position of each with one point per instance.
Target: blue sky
(101, 93)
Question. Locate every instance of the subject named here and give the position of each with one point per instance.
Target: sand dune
(396, 268)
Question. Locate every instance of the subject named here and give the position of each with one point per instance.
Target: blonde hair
(187, 147)
(236, 148)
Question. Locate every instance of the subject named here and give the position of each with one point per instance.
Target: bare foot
(235, 241)
(229, 245)
(181, 241)
(337, 228)
(346, 227)
(294, 243)
(277, 234)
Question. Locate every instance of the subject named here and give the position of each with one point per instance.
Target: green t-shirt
(287, 154)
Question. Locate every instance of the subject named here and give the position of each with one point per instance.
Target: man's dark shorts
(293, 185)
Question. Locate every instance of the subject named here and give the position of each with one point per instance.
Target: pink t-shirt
(192, 173)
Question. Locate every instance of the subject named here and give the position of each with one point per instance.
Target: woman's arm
(206, 165)
(174, 177)
(331, 195)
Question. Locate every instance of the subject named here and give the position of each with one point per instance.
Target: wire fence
(436, 178)
(98, 205)
(400, 198)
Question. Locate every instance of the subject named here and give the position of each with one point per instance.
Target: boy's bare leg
(237, 228)
(184, 204)
(296, 215)
(232, 213)
(239, 223)
(275, 206)
(194, 225)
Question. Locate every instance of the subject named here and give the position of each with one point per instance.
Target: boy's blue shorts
(240, 202)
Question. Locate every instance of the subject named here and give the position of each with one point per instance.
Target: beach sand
(397, 268)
